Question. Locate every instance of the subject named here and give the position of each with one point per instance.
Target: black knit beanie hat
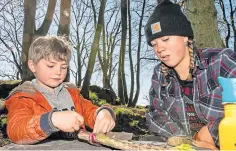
(167, 19)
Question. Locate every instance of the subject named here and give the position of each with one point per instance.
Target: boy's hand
(104, 122)
(67, 121)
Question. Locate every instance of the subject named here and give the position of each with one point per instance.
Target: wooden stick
(115, 143)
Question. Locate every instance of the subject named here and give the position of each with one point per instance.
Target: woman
(185, 96)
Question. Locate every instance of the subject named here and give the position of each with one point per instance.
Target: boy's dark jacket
(167, 115)
(26, 106)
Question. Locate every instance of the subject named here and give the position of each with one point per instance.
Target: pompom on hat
(166, 20)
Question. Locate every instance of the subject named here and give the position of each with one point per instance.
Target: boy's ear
(31, 65)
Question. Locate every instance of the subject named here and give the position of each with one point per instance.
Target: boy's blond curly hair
(57, 47)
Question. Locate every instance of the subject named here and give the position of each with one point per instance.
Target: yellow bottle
(227, 126)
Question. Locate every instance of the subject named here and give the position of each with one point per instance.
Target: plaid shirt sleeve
(225, 61)
(158, 118)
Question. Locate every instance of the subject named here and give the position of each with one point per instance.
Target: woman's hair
(45, 47)
(190, 44)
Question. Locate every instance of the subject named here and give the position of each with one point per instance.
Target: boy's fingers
(70, 130)
(104, 128)
(76, 126)
(80, 118)
(108, 127)
(99, 127)
(111, 126)
(95, 127)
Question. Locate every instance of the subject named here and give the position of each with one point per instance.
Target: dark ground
(3, 136)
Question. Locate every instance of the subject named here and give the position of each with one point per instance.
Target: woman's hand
(203, 139)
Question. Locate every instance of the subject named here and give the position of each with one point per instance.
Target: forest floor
(3, 136)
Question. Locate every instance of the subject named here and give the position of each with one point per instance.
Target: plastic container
(227, 126)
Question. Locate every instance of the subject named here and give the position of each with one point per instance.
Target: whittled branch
(115, 143)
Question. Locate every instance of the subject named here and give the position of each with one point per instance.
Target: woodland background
(108, 38)
(110, 53)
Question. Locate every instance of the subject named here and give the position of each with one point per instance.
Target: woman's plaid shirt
(167, 115)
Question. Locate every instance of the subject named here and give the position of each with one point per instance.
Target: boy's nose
(58, 71)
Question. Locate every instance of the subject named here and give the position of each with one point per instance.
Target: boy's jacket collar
(28, 87)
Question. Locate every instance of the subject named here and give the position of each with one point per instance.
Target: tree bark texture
(122, 88)
(30, 34)
(203, 17)
(64, 25)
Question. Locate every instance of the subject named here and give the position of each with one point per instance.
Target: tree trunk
(43, 30)
(79, 68)
(130, 57)
(30, 34)
(64, 26)
(122, 89)
(135, 100)
(203, 16)
(105, 58)
(228, 22)
(93, 53)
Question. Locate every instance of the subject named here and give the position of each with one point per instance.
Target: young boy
(46, 106)
(185, 96)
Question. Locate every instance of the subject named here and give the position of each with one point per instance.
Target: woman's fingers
(204, 144)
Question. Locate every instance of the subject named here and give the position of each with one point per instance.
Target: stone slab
(56, 145)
